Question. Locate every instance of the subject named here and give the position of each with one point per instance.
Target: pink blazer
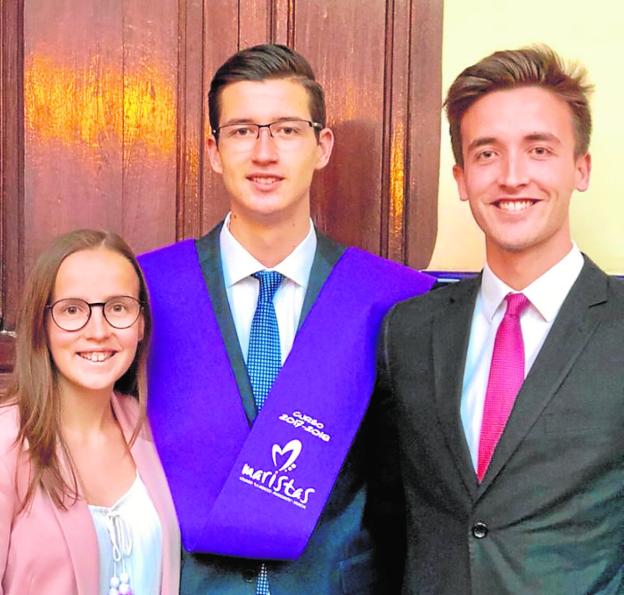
(47, 550)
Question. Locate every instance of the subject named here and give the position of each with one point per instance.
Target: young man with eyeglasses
(260, 385)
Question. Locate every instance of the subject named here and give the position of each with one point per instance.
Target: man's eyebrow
(235, 121)
(534, 136)
(480, 142)
(543, 136)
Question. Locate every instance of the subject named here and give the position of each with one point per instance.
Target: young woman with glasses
(84, 504)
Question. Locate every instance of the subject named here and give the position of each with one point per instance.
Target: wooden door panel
(11, 177)
(11, 159)
(422, 127)
(100, 120)
(193, 28)
(73, 112)
(345, 45)
(150, 74)
(221, 41)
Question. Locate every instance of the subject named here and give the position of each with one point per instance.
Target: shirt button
(249, 574)
(479, 530)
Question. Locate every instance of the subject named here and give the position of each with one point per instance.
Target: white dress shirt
(546, 295)
(242, 289)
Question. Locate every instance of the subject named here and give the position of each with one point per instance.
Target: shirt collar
(239, 264)
(546, 293)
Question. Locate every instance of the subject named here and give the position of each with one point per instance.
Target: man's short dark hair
(262, 62)
(537, 66)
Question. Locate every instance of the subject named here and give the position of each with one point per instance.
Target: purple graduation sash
(258, 492)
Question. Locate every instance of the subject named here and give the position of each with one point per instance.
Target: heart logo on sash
(293, 447)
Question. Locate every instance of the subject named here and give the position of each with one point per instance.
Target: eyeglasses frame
(316, 126)
(91, 305)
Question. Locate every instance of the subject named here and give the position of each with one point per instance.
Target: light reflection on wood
(99, 104)
(397, 188)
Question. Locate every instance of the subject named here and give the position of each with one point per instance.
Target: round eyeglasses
(284, 133)
(73, 314)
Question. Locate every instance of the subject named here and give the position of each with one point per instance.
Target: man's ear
(583, 171)
(214, 155)
(458, 174)
(325, 146)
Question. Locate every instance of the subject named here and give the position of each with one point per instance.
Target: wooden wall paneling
(254, 22)
(344, 42)
(265, 21)
(150, 88)
(11, 161)
(73, 106)
(7, 359)
(192, 120)
(220, 42)
(425, 101)
(395, 142)
(282, 22)
(11, 177)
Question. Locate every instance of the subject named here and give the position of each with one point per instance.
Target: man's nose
(265, 148)
(514, 171)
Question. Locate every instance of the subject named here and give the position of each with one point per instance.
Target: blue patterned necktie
(264, 360)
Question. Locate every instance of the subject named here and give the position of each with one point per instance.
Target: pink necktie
(506, 378)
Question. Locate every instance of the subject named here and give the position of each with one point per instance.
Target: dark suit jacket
(340, 557)
(548, 517)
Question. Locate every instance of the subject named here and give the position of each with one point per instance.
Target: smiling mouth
(264, 180)
(96, 356)
(514, 205)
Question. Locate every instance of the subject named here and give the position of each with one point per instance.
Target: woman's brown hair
(33, 383)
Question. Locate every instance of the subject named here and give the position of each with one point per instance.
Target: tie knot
(269, 282)
(516, 304)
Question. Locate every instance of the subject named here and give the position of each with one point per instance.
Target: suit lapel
(79, 533)
(209, 251)
(570, 332)
(451, 330)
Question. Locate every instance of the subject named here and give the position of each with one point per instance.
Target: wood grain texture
(7, 352)
(73, 106)
(11, 162)
(150, 87)
(423, 152)
(282, 24)
(7, 359)
(192, 118)
(254, 23)
(100, 108)
(396, 107)
(345, 45)
(11, 179)
(220, 42)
